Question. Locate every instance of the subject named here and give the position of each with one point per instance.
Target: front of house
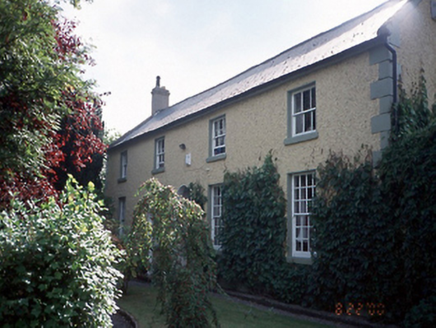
(333, 92)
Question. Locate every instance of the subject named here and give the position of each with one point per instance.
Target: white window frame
(123, 165)
(216, 210)
(304, 114)
(121, 214)
(303, 191)
(218, 136)
(160, 153)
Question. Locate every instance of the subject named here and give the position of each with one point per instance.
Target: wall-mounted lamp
(182, 146)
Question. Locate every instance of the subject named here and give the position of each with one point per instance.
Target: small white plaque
(188, 159)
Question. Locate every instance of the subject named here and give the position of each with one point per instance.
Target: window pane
(308, 121)
(298, 124)
(305, 233)
(297, 102)
(303, 207)
(298, 246)
(310, 179)
(297, 181)
(305, 245)
(306, 100)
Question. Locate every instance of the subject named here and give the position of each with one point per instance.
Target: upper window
(304, 111)
(216, 209)
(218, 138)
(160, 155)
(302, 115)
(303, 190)
(123, 165)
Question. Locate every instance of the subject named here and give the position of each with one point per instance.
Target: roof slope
(323, 46)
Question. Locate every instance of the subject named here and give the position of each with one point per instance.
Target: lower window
(303, 190)
(216, 209)
(121, 214)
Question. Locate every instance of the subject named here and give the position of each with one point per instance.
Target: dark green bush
(57, 264)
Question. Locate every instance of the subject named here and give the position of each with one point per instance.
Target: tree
(170, 236)
(44, 103)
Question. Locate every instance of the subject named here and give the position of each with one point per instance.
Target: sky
(192, 45)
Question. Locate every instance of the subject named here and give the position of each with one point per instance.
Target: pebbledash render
(332, 92)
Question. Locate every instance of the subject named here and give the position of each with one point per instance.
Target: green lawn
(140, 301)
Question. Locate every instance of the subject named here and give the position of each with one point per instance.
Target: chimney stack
(159, 97)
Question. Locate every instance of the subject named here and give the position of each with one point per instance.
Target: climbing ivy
(355, 258)
(171, 239)
(413, 112)
(374, 228)
(196, 193)
(254, 234)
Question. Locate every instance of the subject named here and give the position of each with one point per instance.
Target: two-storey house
(332, 92)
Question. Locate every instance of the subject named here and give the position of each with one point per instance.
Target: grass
(140, 301)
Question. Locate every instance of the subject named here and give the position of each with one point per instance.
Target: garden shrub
(171, 239)
(57, 263)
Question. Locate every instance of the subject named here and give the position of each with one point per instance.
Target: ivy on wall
(354, 240)
(197, 194)
(254, 234)
(374, 228)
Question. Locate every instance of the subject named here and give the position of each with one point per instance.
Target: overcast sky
(192, 44)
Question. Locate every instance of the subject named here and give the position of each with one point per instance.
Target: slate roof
(321, 47)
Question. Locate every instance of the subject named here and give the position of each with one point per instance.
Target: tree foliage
(43, 101)
(171, 239)
(57, 266)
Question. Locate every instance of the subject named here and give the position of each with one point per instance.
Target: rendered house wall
(255, 126)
